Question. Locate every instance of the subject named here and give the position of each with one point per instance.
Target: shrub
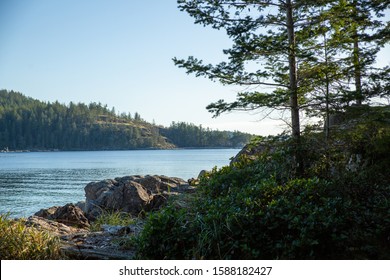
(259, 209)
(259, 217)
(167, 235)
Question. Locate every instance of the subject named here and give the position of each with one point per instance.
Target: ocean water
(36, 180)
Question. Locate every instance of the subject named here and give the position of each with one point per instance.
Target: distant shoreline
(102, 150)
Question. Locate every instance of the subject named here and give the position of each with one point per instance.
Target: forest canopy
(30, 124)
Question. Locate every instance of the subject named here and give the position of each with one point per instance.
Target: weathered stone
(53, 227)
(135, 198)
(116, 230)
(156, 184)
(94, 189)
(47, 213)
(95, 246)
(202, 173)
(195, 181)
(251, 151)
(69, 215)
(108, 244)
(131, 194)
(81, 205)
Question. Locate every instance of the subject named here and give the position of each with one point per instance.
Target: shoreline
(118, 150)
(55, 168)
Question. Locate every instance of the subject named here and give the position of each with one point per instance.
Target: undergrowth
(258, 209)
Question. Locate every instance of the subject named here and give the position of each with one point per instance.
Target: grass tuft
(19, 242)
(112, 218)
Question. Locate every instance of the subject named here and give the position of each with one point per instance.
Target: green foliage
(263, 56)
(18, 242)
(369, 130)
(325, 51)
(172, 228)
(257, 209)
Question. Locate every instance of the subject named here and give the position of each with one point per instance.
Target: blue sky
(118, 53)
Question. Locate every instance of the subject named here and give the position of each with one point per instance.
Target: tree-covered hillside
(30, 124)
(189, 135)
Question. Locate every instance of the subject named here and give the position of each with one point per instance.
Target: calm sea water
(36, 180)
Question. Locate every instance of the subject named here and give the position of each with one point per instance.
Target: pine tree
(359, 33)
(270, 41)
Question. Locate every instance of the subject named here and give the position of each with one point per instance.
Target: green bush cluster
(258, 209)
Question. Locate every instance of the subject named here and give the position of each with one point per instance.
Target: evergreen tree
(269, 42)
(359, 33)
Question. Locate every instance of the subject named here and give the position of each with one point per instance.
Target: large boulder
(69, 215)
(130, 194)
(252, 151)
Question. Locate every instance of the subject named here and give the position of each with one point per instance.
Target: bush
(167, 235)
(238, 215)
(257, 208)
(18, 242)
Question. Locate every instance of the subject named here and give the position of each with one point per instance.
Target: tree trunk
(356, 60)
(292, 72)
(358, 74)
(295, 124)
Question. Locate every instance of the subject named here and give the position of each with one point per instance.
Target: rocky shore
(133, 195)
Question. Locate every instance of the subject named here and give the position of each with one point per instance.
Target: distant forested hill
(30, 124)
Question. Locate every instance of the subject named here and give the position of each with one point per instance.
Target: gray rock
(69, 215)
(130, 194)
(81, 205)
(53, 227)
(116, 230)
(202, 173)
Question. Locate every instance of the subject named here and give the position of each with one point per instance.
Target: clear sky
(118, 53)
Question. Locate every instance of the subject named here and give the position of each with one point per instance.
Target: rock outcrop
(196, 181)
(53, 227)
(131, 194)
(251, 151)
(107, 244)
(77, 243)
(69, 215)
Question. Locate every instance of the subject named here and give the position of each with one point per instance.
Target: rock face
(69, 215)
(252, 151)
(55, 228)
(131, 194)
